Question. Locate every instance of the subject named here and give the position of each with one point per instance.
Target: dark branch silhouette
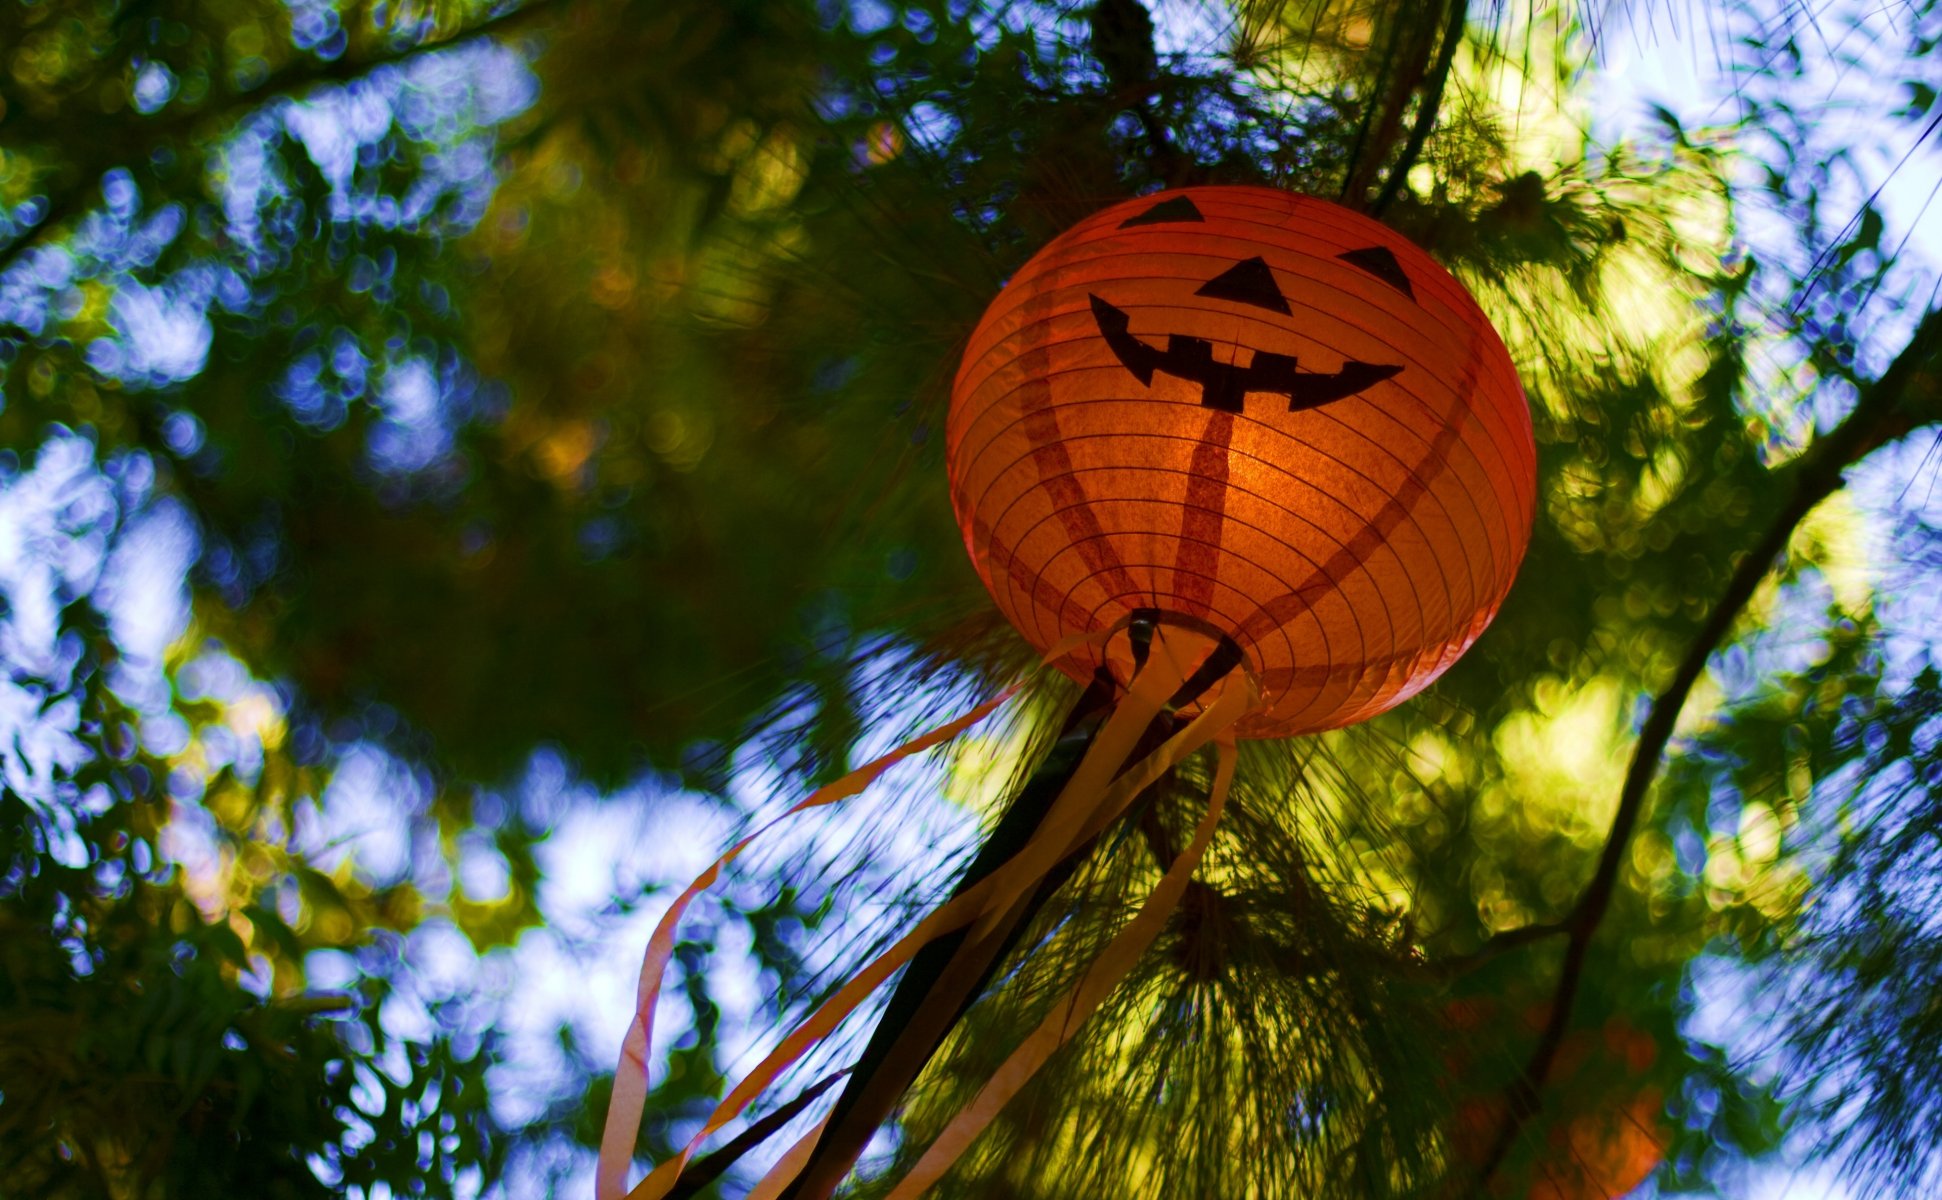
(1405, 65)
(1907, 396)
(1426, 109)
(69, 200)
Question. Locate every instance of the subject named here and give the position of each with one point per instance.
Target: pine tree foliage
(1863, 963)
(560, 384)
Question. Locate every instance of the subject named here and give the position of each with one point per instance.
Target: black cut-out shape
(1226, 385)
(1247, 282)
(1176, 208)
(1378, 261)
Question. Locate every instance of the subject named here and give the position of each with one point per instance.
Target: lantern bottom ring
(1211, 657)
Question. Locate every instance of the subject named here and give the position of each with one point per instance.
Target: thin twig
(1501, 944)
(1908, 395)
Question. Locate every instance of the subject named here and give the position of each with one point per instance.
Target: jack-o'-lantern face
(1256, 414)
(1248, 282)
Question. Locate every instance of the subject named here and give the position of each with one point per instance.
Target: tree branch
(298, 77)
(1498, 946)
(1412, 46)
(1907, 395)
(1427, 108)
(291, 80)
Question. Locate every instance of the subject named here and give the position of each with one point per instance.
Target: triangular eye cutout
(1249, 282)
(1378, 261)
(1177, 208)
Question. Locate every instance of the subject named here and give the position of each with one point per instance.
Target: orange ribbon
(1072, 1009)
(1091, 799)
(630, 1077)
(1066, 826)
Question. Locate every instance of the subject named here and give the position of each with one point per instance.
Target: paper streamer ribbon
(1084, 807)
(617, 1140)
(1072, 1009)
(1003, 885)
(1053, 840)
(618, 1137)
(1058, 835)
(772, 1184)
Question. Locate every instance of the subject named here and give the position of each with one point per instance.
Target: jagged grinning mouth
(1224, 385)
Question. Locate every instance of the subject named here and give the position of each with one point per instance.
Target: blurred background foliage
(461, 462)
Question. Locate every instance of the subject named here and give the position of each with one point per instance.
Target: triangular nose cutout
(1248, 282)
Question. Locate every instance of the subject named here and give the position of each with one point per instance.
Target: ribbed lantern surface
(1258, 412)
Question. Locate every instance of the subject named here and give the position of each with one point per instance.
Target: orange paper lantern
(1260, 457)
(1262, 415)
